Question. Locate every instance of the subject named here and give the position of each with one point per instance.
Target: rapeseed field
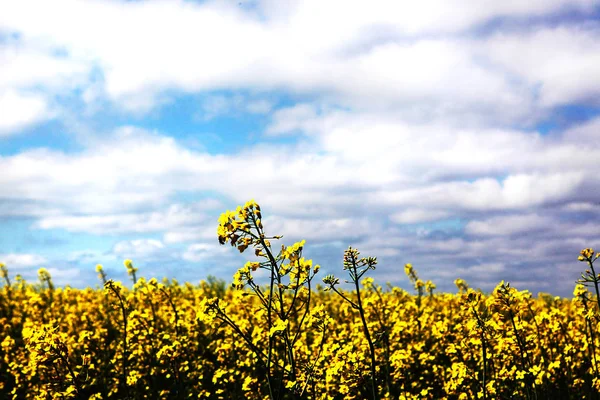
(299, 336)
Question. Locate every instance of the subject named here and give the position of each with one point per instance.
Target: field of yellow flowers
(299, 336)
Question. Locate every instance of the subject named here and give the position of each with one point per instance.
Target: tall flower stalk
(357, 267)
(286, 300)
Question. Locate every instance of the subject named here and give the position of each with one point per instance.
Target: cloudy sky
(461, 136)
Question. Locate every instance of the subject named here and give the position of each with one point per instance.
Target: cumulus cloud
(30, 75)
(508, 225)
(409, 59)
(31, 65)
(291, 119)
(138, 249)
(562, 61)
(18, 261)
(20, 111)
(205, 251)
(415, 215)
(116, 174)
(89, 257)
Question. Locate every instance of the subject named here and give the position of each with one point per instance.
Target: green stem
(361, 311)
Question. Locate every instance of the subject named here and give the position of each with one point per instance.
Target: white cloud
(18, 111)
(191, 233)
(27, 65)
(30, 75)
(413, 216)
(89, 257)
(562, 62)
(175, 216)
(118, 186)
(66, 276)
(413, 59)
(138, 249)
(198, 252)
(19, 261)
(508, 225)
(291, 119)
(320, 229)
(518, 191)
(548, 226)
(113, 175)
(476, 270)
(260, 106)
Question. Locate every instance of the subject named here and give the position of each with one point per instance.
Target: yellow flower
(3, 271)
(279, 326)
(586, 254)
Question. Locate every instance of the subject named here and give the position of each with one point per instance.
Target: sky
(460, 136)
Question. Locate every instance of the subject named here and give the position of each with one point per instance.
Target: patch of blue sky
(50, 135)
(182, 119)
(558, 118)
(564, 117)
(228, 130)
(8, 37)
(14, 233)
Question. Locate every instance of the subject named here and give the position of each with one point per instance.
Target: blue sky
(461, 138)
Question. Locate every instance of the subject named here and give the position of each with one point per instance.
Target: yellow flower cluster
(294, 340)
